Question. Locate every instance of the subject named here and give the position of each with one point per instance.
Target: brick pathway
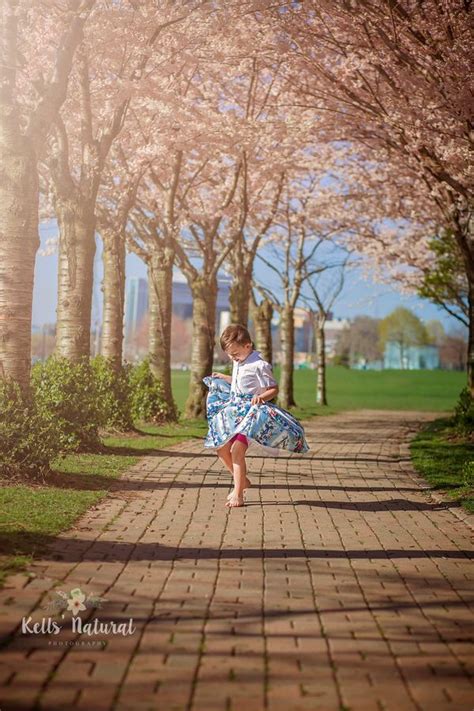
(340, 585)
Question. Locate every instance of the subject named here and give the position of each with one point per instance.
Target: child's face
(237, 352)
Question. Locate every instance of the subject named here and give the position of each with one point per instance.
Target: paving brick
(341, 582)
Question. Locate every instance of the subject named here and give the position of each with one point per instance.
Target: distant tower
(136, 304)
(224, 320)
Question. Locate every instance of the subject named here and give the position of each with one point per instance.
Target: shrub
(468, 473)
(148, 403)
(463, 418)
(28, 438)
(114, 394)
(67, 392)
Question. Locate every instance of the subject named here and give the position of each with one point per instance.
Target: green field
(430, 390)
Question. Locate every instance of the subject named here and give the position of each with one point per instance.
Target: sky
(361, 295)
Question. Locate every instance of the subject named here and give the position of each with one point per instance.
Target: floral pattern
(230, 413)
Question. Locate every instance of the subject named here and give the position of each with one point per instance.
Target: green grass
(444, 460)
(429, 390)
(32, 515)
(394, 389)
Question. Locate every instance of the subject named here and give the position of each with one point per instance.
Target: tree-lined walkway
(342, 584)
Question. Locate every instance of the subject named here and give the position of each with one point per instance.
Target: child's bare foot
(246, 486)
(235, 500)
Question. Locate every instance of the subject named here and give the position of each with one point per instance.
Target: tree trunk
(75, 278)
(19, 242)
(470, 344)
(160, 288)
(240, 289)
(262, 315)
(321, 398)
(113, 286)
(239, 300)
(463, 230)
(287, 334)
(204, 291)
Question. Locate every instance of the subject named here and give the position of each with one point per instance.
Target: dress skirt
(267, 424)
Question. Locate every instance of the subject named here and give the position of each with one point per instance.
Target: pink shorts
(239, 438)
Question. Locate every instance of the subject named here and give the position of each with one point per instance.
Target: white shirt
(253, 375)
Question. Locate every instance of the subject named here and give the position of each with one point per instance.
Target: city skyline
(361, 295)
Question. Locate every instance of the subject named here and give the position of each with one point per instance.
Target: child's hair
(235, 333)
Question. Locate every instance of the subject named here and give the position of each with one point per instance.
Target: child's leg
(239, 471)
(247, 483)
(225, 456)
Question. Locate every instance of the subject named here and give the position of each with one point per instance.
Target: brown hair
(235, 333)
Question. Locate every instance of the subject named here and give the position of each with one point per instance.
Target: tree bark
(239, 299)
(470, 344)
(240, 288)
(321, 398)
(204, 291)
(262, 315)
(75, 278)
(287, 332)
(463, 220)
(19, 241)
(160, 287)
(113, 287)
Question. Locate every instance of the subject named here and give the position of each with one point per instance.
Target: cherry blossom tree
(310, 213)
(398, 228)
(123, 43)
(201, 251)
(115, 201)
(320, 293)
(396, 76)
(174, 209)
(37, 49)
(212, 185)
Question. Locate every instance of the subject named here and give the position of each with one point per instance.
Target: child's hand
(217, 375)
(257, 400)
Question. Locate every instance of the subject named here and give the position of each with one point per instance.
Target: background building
(411, 357)
(136, 305)
(136, 308)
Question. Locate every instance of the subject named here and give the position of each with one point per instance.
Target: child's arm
(221, 375)
(268, 394)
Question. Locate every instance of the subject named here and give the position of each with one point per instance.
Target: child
(239, 411)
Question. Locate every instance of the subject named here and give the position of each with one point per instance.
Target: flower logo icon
(75, 602)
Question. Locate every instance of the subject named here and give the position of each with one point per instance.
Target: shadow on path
(74, 550)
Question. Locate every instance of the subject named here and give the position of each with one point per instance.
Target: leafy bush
(341, 359)
(463, 418)
(28, 438)
(114, 394)
(67, 392)
(148, 403)
(468, 473)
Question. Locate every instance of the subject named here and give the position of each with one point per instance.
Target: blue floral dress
(230, 413)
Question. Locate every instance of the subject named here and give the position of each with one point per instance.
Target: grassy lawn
(443, 459)
(33, 514)
(430, 390)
